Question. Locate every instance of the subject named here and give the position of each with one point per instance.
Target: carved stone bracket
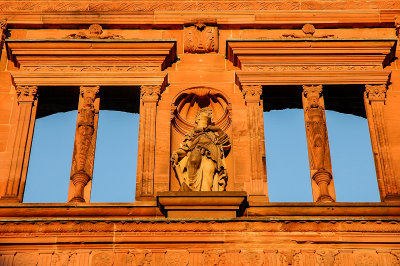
(85, 141)
(374, 99)
(149, 96)
(317, 142)
(200, 38)
(252, 95)
(27, 101)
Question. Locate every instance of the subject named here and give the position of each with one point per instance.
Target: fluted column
(27, 103)
(149, 96)
(255, 122)
(85, 143)
(318, 144)
(374, 99)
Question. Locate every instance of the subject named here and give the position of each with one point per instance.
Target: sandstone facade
(174, 58)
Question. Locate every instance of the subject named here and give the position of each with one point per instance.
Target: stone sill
(149, 210)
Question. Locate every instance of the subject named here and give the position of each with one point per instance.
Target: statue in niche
(199, 163)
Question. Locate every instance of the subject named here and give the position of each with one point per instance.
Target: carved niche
(187, 110)
(200, 38)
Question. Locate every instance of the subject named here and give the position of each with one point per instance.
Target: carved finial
(26, 93)
(308, 30)
(376, 92)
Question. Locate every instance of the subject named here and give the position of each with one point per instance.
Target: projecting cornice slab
(295, 61)
(90, 62)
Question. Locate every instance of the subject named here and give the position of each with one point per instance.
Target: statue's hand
(212, 128)
(174, 158)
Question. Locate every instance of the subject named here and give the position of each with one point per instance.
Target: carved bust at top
(199, 163)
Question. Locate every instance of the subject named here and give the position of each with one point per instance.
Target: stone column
(255, 122)
(374, 99)
(27, 102)
(149, 96)
(318, 144)
(85, 143)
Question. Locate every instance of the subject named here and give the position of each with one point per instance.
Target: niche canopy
(311, 61)
(69, 62)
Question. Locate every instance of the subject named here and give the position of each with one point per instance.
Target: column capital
(252, 93)
(26, 93)
(376, 92)
(312, 90)
(397, 25)
(150, 93)
(89, 91)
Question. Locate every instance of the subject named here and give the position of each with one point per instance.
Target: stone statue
(199, 163)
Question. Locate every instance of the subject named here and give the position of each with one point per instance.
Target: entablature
(295, 61)
(90, 62)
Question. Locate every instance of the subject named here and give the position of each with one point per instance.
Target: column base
(392, 198)
(257, 200)
(10, 199)
(202, 204)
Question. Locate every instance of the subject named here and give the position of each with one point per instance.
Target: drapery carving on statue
(308, 31)
(82, 162)
(189, 102)
(95, 31)
(199, 163)
(200, 38)
(317, 132)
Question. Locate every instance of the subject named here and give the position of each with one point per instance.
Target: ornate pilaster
(85, 142)
(318, 144)
(27, 103)
(255, 122)
(3, 26)
(149, 96)
(374, 99)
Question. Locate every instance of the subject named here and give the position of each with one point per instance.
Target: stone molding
(27, 104)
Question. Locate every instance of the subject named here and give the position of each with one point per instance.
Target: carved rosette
(317, 138)
(200, 38)
(85, 141)
(26, 94)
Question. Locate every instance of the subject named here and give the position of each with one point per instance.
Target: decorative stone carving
(252, 95)
(26, 259)
(308, 31)
(27, 102)
(103, 258)
(374, 99)
(189, 102)
(200, 38)
(199, 163)
(139, 257)
(149, 96)
(397, 25)
(85, 142)
(95, 31)
(252, 258)
(326, 257)
(317, 140)
(177, 258)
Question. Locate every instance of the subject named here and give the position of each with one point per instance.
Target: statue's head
(204, 116)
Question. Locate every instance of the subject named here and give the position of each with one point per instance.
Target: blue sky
(115, 162)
